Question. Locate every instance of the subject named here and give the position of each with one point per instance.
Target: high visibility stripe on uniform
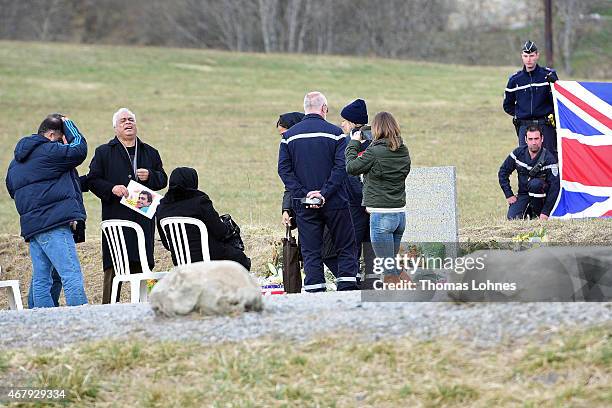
(346, 279)
(550, 166)
(315, 286)
(537, 195)
(520, 163)
(311, 135)
(518, 88)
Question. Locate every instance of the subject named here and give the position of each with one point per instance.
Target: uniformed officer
(538, 178)
(311, 164)
(528, 98)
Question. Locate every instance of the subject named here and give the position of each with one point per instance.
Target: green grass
(216, 111)
(327, 371)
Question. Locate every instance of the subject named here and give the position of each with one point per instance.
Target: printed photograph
(141, 199)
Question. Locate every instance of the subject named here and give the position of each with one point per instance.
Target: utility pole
(548, 35)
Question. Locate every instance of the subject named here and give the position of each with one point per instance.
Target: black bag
(233, 237)
(78, 231)
(292, 277)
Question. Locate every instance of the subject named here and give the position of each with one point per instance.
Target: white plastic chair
(176, 236)
(113, 232)
(14, 294)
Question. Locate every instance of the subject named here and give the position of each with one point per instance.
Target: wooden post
(548, 34)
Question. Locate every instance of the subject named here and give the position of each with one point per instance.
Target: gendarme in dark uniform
(311, 159)
(528, 98)
(538, 178)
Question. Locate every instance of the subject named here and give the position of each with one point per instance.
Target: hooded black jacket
(183, 199)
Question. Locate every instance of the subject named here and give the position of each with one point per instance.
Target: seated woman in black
(183, 199)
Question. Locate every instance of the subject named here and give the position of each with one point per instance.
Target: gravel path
(299, 317)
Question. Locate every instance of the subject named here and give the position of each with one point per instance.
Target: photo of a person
(145, 199)
(141, 199)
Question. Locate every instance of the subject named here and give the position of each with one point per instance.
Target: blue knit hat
(356, 112)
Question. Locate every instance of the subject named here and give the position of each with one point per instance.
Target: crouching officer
(528, 98)
(538, 178)
(311, 164)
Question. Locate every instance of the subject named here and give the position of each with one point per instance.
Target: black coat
(201, 208)
(111, 166)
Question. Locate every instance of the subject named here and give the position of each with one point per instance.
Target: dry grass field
(570, 368)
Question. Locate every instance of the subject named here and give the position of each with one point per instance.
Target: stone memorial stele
(431, 207)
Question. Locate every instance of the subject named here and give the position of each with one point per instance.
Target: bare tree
(292, 11)
(305, 25)
(568, 11)
(235, 18)
(268, 19)
(9, 18)
(391, 28)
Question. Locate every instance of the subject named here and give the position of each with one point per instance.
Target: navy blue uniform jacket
(44, 183)
(528, 94)
(311, 157)
(521, 161)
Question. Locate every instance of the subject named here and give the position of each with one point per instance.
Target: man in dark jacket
(311, 164)
(44, 184)
(538, 178)
(125, 158)
(328, 252)
(528, 98)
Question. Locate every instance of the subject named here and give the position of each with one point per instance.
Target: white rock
(207, 288)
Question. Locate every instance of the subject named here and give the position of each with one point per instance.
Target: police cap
(529, 47)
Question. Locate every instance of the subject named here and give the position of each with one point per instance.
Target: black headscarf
(289, 119)
(183, 185)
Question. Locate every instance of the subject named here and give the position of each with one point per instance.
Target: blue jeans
(386, 230)
(56, 249)
(56, 289)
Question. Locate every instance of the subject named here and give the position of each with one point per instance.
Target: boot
(404, 277)
(391, 278)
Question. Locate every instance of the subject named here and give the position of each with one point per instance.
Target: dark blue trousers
(311, 223)
(361, 225)
(328, 252)
(534, 199)
(550, 138)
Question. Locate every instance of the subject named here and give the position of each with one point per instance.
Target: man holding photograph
(114, 164)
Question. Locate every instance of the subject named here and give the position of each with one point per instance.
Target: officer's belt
(527, 122)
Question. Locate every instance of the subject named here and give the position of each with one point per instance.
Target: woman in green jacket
(385, 165)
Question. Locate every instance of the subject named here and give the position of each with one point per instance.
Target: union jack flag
(583, 111)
